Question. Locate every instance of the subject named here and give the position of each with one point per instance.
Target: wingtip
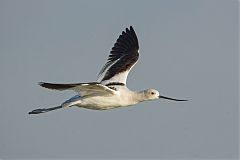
(40, 83)
(129, 29)
(31, 112)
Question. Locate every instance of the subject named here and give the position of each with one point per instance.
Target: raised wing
(85, 89)
(122, 58)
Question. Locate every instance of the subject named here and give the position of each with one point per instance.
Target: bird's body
(118, 99)
(110, 90)
(98, 101)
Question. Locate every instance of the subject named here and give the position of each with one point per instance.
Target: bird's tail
(44, 110)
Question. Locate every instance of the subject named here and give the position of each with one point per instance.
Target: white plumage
(110, 90)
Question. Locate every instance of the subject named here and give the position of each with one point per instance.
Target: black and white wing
(122, 58)
(84, 89)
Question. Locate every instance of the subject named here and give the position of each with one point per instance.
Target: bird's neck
(140, 96)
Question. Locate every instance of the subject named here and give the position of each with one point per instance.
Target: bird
(109, 91)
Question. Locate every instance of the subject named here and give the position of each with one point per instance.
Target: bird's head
(152, 94)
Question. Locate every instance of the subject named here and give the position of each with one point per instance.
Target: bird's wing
(92, 88)
(122, 58)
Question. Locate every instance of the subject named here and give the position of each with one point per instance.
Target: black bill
(172, 98)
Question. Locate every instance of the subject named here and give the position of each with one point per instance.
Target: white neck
(139, 96)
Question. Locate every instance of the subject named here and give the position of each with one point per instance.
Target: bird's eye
(152, 93)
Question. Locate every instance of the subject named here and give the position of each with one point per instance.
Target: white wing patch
(120, 77)
(105, 69)
(96, 89)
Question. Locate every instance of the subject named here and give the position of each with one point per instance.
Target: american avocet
(110, 90)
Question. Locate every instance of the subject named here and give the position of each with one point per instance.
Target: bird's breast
(105, 102)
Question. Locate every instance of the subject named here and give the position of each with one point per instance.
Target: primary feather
(122, 58)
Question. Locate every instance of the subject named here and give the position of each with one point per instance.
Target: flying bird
(110, 90)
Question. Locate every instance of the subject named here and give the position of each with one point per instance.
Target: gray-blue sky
(189, 49)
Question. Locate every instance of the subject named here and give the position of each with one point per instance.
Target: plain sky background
(188, 50)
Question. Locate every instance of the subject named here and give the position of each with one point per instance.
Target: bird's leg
(69, 103)
(44, 110)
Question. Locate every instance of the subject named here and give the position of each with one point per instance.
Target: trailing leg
(44, 110)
